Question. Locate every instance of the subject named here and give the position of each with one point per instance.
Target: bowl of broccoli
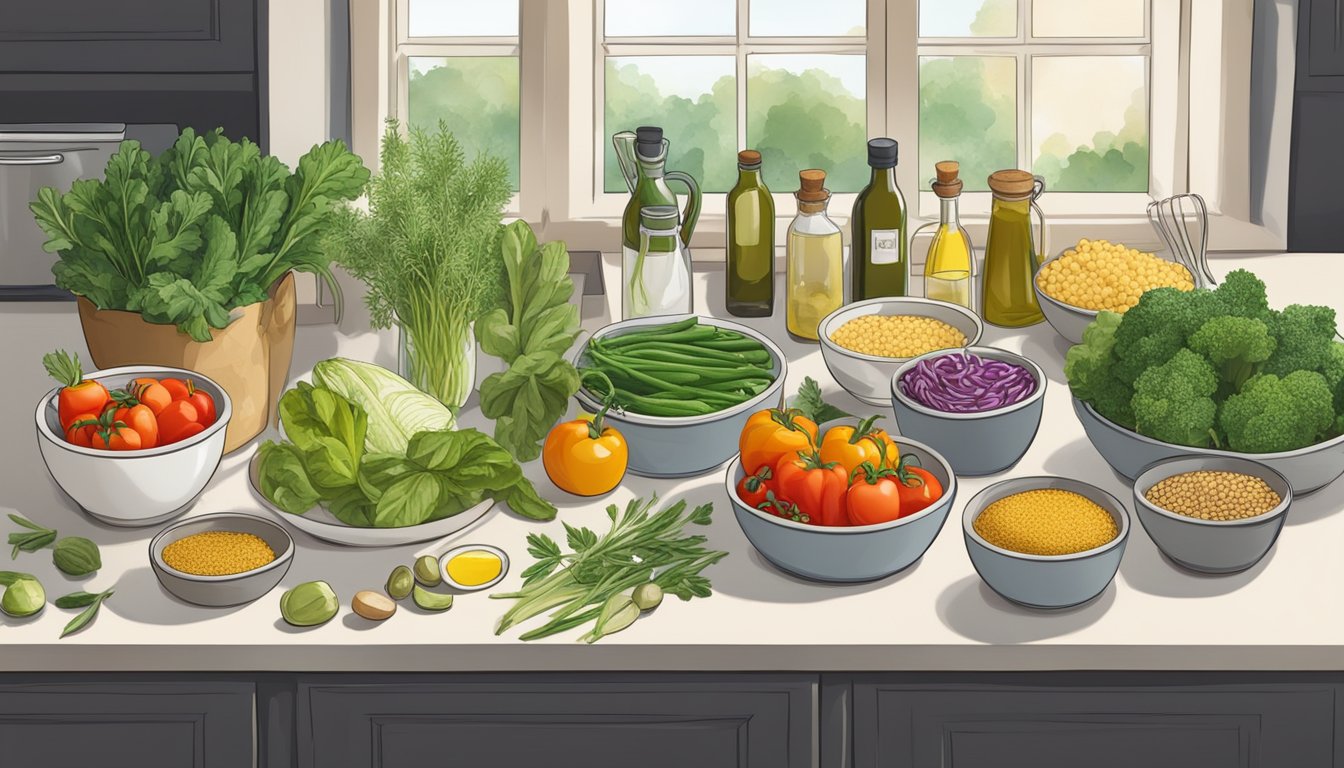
(1216, 373)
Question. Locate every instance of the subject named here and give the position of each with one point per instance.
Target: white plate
(322, 524)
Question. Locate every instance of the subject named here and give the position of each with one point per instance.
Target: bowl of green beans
(679, 388)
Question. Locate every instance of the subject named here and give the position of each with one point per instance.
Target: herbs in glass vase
(429, 251)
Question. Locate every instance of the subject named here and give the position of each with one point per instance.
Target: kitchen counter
(937, 615)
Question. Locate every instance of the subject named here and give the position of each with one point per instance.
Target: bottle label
(885, 246)
(747, 221)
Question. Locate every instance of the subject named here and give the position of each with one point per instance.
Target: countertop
(937, 615)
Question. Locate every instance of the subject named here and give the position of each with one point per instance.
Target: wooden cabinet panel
(723, 723)
(127, 725)
(1324, 37)
(1314, 204)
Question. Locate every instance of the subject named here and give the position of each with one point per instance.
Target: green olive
(647, 596)
(432, 601)
(309, 604)
(23, 597)
(399, 583)
(427, 571)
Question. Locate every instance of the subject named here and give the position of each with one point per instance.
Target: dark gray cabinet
(127, 725)
(725, 722)
(1317, 157)
(901, 724)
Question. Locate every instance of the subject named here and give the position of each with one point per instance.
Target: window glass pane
(807, 111)
(968, 18)
(1088, 18)
(640, 18)
(807, 18)
(967, 113)
(1089, 122)
(693, 99)
(476, 96)
(462, 18)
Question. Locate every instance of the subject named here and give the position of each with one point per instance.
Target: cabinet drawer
(746, 723)
(990, 726)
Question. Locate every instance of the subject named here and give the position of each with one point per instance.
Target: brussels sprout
(309, 604)
(23, 597)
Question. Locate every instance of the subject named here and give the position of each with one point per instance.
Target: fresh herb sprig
(89, 601)
(809, 401)
(33, 538)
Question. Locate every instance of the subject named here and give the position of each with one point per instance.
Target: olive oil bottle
(879, 265)
(814, 258)
(949, 268)
(750, 283)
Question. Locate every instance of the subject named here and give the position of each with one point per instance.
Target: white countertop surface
(1282, 614)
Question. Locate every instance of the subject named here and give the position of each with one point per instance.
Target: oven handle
(54, 158)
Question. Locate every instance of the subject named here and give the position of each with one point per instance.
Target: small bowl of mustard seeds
(222, 559)
(1045, 542)
(1212, 514)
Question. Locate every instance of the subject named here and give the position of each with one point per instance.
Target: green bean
(703, 370)
(700, 333)
(656, 406)
(698, 353)
(743, 344)
(654, 357)
(673, 377)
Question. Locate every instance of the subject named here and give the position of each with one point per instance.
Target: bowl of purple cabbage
(979, 407)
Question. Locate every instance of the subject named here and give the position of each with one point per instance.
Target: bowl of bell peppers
(842, 501)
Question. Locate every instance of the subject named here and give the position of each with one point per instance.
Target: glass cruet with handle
(1012, 255)
(642, 155)
(657, 275)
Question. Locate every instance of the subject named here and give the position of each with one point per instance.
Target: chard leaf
(411, 500)
(284, 480)
(496, 337)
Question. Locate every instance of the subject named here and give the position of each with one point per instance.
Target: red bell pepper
(817, 487)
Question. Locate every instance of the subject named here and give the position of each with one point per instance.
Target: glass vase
(449, 380)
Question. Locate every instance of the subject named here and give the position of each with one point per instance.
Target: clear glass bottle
(949, 267)
(657, 276)
(1011, 255)
(879, 264)
(750, 283)
(814, 258)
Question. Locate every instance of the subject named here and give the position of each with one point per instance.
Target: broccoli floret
(1243, 294)
(1334, 375)
(1236, 346)
(1304, 334)
(1087, 367)
(1152, 331)
(1173, 402)
(1273, 413)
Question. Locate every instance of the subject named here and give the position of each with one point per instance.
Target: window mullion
(740, 59)
(1024, 111)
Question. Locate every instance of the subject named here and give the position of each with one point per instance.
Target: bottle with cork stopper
(750, 280)
(1011, 253)
(814, 260)
(949, 268)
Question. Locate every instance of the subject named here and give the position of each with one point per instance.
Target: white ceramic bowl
(221, 591)
(691, 445)
(975, 444)
(868, 377)
(1045, 581)
(134, 488)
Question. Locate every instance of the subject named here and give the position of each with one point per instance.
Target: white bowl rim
(991, 493)
(949, 493)
(1165, 468)
(223, 412)
(824, 336)
(686, 421)
(1157, 248)
(461, 548)
(156, 554)
(998, 353)
(1193, 451)
(1042, 295)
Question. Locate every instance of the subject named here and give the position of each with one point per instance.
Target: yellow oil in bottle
(949, 269)
(816, 278)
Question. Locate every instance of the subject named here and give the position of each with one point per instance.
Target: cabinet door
(970, 726)
(127, 725)
(1324, 38)
(509, 722)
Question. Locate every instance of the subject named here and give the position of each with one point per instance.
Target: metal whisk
(1171, 218)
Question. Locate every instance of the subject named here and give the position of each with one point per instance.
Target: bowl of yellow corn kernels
(1096, 275)
(865, 342)
(222, 559)
(1045, 542)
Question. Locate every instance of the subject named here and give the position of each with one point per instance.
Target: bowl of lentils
(980, 407)
(1212, 514)
(1045, 542)
(222, 559)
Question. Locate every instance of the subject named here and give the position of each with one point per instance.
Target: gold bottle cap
(812, 186)
(947, 184)
(1012, 182)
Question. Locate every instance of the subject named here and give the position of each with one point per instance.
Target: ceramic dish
(465, 548)
(222, 591)
(321, 524)
(1069, 321)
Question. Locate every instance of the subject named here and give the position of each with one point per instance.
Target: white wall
(298, 77)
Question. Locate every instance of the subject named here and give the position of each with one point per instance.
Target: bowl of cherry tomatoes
(838, 502)
(132, 446)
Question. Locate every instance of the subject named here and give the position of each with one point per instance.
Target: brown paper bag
(249, 358)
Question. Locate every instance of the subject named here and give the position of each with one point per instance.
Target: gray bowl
(1129, 453)
(847, 553)
(1067, 320)
(975, 444)
(868, 377)
(1045, 581)
(684, 446)
(1211, 546)
(222, 591)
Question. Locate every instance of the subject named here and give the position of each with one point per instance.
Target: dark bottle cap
(649, 140)
(882, 153)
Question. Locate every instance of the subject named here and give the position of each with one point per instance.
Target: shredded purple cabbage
(961, 382)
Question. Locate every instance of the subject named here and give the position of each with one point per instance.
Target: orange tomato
(177, 388)
(82, 435)
(584, 457)
(141, 419)
(117, 439)
(773, 433)
(78, 396)
(175, 421)
(152, 394)
(875, 496)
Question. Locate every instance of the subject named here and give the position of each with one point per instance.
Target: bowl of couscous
(1212, 514)
(865, 342)
(1096, 275)
(222, 559)
(1045, 542)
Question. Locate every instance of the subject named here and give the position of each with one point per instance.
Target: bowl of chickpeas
(1096, 275)
(1045, 542)
(864, 343)
(1212, 514)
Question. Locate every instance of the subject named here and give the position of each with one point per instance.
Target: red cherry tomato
(177, 388)
(117, 439)
(918, 488)
(82, 435)
(141, 419)
(817, 487)
(205, 405)
(752, 489)
(174, 420)
(875, 496)
(152, 394)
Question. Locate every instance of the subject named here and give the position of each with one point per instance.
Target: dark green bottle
(879, 264)
(751, 241)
